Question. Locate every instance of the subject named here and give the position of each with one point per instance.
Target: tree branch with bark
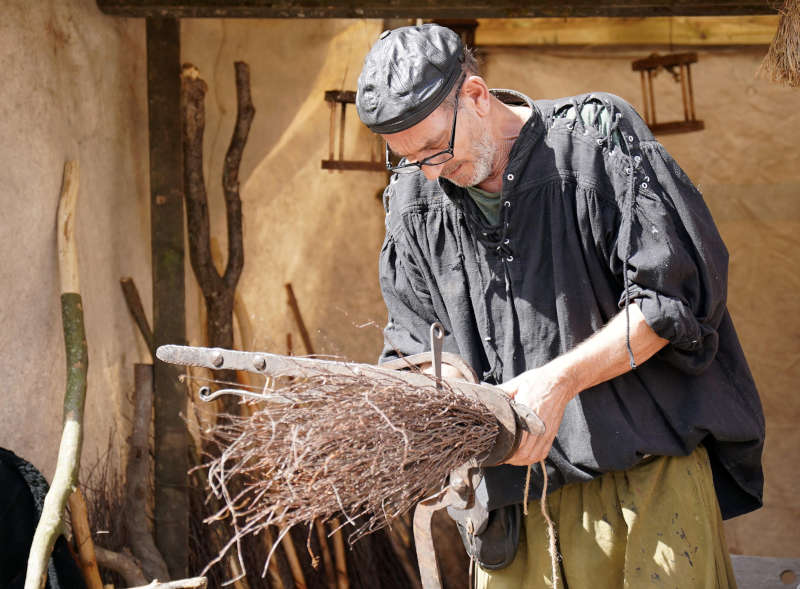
(218, 289)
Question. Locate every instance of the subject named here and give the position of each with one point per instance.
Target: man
(571, 262)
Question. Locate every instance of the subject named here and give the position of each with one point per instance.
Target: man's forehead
(428, 134)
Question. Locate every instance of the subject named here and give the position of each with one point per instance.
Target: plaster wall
(316, 229)
(322, 230)
(73, 87)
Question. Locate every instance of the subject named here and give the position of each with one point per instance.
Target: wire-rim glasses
(437, 159)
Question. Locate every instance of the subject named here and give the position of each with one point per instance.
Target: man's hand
(546, 390)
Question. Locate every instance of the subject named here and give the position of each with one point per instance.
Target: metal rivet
(644, 184)
(459, 485)
(506, 241)
(510, 177)
(630, 138)
(600, 141)
(627, 170)
(507, 204)
(510, 259)
(637, 158)
(259, 363)
(487, 338)
(217, 359)
(647, 178)
(484, 233)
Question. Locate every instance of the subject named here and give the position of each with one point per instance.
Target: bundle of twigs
(782, 63)
(315, 447)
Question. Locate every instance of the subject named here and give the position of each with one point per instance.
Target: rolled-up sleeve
(676, 260)
(408, 303)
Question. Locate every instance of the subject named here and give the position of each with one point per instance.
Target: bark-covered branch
(230, 175)
(65, 479)
(122, 563)
(134, 303)
(218, 291)
(137, 476)
(193, 92)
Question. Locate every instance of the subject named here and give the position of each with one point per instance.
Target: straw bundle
(782, 63)
(369, 449)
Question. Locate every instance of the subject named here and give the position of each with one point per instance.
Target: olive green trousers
(655, 525)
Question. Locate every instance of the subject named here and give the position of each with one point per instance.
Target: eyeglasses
(437, 159)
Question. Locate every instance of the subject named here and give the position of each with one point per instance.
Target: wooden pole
(169, 306)
(684, 91)
(65, 479)
(82, 536)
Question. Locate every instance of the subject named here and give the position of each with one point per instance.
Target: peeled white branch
(65, 479)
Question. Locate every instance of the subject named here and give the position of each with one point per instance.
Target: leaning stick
(327, 560)
(82, 534)
(137, 478)
(294, 561)
(192, 583)
(342, 579)
(134, 303)
(65, 479)
(122, 563)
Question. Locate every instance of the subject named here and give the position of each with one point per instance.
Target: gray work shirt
(582, 217)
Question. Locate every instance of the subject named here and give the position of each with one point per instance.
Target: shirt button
(510, 177)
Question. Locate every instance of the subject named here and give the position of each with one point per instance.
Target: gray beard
(484, 158)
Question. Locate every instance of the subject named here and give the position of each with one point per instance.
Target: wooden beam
(432, 9)
(678, 30)
(169, 312)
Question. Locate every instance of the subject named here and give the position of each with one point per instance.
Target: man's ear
(476, 90)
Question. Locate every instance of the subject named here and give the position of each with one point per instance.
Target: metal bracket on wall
(677, 64)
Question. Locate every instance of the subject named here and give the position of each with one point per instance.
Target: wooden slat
(676, 127)
(656, 61)
(430, 8)
(679, 30)
(353, 166)
(169, 315)
(763, 572)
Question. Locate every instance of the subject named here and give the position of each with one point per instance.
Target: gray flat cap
(408, 73)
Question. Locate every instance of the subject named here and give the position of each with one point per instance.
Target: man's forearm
(605, 355)
(549, 388)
